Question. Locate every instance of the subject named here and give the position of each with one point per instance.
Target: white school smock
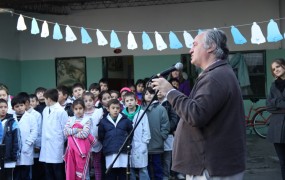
(28, 132)
(52, 145)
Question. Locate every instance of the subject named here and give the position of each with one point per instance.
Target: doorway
(119, 70)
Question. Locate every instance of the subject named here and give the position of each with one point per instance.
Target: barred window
(256, 68)
(252, 79)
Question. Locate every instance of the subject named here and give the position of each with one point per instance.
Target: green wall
(94, 70)
(35, 73)
(29, 74)
(146, 66)
(10, 75)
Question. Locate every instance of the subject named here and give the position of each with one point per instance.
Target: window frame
(263, 52)
(245, 97)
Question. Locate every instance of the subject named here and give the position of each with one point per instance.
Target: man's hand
(162, 85)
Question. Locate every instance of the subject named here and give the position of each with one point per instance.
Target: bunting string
(257, 36)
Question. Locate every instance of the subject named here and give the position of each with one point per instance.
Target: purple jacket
(184, 87)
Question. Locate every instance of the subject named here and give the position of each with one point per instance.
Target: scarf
(280, 84)
(131, 115)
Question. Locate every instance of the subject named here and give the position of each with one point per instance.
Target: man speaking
(210, 138)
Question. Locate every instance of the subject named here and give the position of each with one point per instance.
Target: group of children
(50, 134)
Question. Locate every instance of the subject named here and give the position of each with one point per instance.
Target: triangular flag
(57, 35)
(102, 41)
(132, 44)
(160, 44)
(188, 39)
(115, 42)
(69, 35)
(174, 42)
(273, 33)
(147, 44)
(35, 28)
(45, 30)
(21, 26)
(237, 36)
(256, 34)
(85, 38)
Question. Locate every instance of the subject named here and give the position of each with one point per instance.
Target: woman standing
(276, 104)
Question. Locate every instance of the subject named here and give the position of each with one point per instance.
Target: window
(254, 61)
(250, 69)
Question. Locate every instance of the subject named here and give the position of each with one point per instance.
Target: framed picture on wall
(70, 70)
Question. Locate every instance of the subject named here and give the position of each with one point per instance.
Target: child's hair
(64, 89)
(78, 101)
(94, 86)
(88, 94)
(151, 91)
(25, 96)
(140, 81)
(17, 100)
(171, 80)
(113, 101)
(146, 80)
(3, 101)
(52, 94)
(130, 94)
(4, 87)
(103, 80)
(100, 96)
(32, 96)
(114, 91)
(40, 89)
(78, 84)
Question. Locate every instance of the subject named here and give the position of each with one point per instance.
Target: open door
(119, 70)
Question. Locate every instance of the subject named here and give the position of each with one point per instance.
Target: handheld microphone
(178, 66)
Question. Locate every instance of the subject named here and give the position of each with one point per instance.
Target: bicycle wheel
(261, 121)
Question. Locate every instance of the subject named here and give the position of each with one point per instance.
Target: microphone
(178, 66)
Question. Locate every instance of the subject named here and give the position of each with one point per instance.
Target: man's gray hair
(218, 39)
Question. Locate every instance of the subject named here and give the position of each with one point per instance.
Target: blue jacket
(11, 138)
(113, 134)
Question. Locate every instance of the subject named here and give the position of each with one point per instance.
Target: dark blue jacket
(11, 138)
(113, 137)
(1, 133)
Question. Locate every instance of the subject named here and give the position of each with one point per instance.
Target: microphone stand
(128, 140)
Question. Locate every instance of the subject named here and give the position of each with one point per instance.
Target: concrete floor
(262, 162)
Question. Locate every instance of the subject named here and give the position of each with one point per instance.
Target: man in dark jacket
(210, 136)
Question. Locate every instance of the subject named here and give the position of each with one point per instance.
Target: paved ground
(262, 162)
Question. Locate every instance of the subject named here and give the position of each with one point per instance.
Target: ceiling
(64, 7)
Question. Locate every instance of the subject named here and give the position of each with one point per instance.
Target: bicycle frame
(259, 120)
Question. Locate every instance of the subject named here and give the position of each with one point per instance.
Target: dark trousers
(280, 151)
(8, 174)
(116, 174)
(54, 171)
(22, 173)
(155, 166)
(38, 170)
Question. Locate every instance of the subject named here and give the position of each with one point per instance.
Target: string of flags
(257, 37)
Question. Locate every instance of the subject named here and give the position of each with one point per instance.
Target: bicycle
(260, 120)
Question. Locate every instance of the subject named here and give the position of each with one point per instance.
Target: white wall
(164, 18)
